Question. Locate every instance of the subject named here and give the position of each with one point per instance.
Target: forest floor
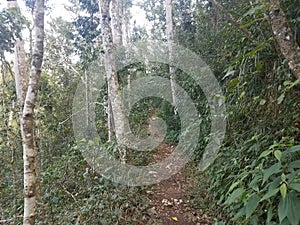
(170, 201)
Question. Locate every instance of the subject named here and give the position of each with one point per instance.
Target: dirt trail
(170, 198)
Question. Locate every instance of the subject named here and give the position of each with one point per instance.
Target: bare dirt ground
(169, 199)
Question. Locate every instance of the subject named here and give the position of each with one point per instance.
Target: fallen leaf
(175, 218)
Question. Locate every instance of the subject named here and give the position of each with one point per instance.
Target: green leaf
(276, 168)
(233, 83)
(262, 102)
(242, 95)
(248, 24)
(293, 213)
(283, 190)
(289, 207)
(239, 214)
(270, 215)
(278, 154)
(259, 66)
(282, 209)
(253, 183)
(294, 186)
(269, 194)
(252, 204)
(258, 48)
(294, 164)
(293, 149)
(280, 98)
(233, 186)
(234, 195)
(284, 222)
(265, 153)
(254, 220)
(253, 10)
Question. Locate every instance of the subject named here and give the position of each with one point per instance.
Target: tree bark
(126, 29)
(116, 11)
(20, 72)
(112, 78)
(27, 98)
(284, 36)
(116, 21)
(170, 40)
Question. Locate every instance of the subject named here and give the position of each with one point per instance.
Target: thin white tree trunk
(126, 26)
(116, 25)
(20, 72)
(27, 98)
(170, 40)
(109, 120)
(116, 10)
(112, 78)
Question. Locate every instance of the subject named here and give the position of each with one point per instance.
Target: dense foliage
(256, 176)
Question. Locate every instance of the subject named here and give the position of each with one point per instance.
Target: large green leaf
(293, 149)
(294, 186)
(283, 209)
(265, 153)
(294, 164)
(269, 194)
(276, 168)
(252, 204)
(289, 207)
(239, 214)
(234, 195)
(270, 215)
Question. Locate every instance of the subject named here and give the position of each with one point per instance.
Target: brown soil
(169, 199)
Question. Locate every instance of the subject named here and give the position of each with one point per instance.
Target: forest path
(169, 200)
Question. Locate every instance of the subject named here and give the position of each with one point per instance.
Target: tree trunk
(116, 11)
(27, 99)
(112, 78)
(116, 21)
(20, 72)
(126, 28)
(285, 38)
(170, 40)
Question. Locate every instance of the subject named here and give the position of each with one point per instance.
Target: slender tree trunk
(20, 76)
(170, 40)
(27, 96)
(126, 27)
(110, 120)
(116, 10)
(284, 36)
(20, 72)
(12, 161)
(87, 100)
(112, 78)
(127, 41)
(117, 35)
